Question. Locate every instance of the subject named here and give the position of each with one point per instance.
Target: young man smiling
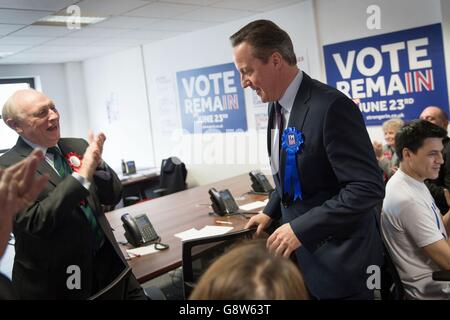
(413, 228)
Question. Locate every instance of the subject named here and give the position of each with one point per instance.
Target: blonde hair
(250, 271)
(394, 123)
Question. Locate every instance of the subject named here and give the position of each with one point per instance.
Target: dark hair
(412, 135)
(249, 271)
(265, 37)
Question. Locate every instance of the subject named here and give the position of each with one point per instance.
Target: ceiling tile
(21, 16)
(43, 31)
(162, 10)
(281, 4)
(120, 42)
(250, 5)
(180, 25)
(210, 14)
(126, 22)
(10, 40)
(90, 32)
(8, 28)
(12, 48)
(195, 2)
(50, 5)
(149, 34)
(63, 41)
(54, 49)
(108, 7)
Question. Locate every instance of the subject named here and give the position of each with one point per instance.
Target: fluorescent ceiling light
(72, 19)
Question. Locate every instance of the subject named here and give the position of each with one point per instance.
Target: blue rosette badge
(292, 143)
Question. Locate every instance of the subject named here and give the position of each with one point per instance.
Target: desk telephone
(223, 202)
(138, 230)
(260, 182)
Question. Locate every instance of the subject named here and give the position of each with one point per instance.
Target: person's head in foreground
(250, 272)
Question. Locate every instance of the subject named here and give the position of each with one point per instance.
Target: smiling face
(426, 162)
(261, 77)
(389, 136)
(37, 118)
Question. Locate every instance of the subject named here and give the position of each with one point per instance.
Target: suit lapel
(23, 149)
(297, 116)
(270, 128)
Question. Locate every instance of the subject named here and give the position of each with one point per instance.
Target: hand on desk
(261, 220)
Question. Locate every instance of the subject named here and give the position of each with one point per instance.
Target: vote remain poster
(212, 99)
(391, 75)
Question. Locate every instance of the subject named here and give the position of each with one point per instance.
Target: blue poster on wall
(212, 99)
(396, 74)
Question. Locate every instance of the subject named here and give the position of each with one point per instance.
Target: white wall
(116, 83)
(342, 20)
(76, 98)
(212, 157)
(52, 80)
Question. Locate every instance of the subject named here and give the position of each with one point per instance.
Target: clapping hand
(93, 155)
(19, 186)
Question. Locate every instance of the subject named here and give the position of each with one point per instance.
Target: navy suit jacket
(341, 187)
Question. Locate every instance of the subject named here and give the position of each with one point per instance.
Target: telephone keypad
(148, 233)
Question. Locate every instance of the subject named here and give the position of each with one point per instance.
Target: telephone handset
(138, 230)
(223, 202)
(260, 182)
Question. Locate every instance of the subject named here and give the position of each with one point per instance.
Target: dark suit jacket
(341, 185)
(54, 233)
(6, 289)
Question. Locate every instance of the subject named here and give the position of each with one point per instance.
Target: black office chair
(443, 275)
(207, 248)
(172, 177)
(391, 284)
(116, 290)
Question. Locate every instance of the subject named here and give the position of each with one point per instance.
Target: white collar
(287, 100)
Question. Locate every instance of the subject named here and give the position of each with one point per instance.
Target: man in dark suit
(19, 187)
(328, 211)
(65, 248)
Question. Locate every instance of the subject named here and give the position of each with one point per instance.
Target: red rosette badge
(74, 161)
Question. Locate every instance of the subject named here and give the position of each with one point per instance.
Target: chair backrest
(116, 290)
(173, 175)
(391, 284)
(206, 247)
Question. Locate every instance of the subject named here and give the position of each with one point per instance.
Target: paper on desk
(141, 251)
(204, 232)
(208, 231)
(188, 234)
(253, 205)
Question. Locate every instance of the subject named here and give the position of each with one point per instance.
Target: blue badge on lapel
(292, 143)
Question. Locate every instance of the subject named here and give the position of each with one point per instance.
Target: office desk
(176, 213)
